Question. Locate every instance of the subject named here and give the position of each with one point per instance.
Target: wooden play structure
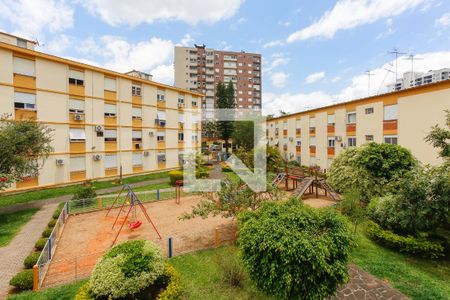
(133, 201)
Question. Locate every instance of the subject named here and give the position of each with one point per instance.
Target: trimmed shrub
(406, 244)
(23, 280)
(174, 176)
(127, 269)
(292, 251)
(40, 244)
(31, 260)
(56, 214)
(174, 289)
(46, 233)
(84, 293)
(52, 223)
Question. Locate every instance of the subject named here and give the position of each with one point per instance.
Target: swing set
(133, 201)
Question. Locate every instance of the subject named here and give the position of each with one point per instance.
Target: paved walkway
(363, 285)
(41, 203)
(13, 255)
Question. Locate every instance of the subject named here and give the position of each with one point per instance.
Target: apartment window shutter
(24, 66)
(161, 115)
(390, 112)
(136, 134)
(77, 134)
(77, 164)
(110, 161)
(137, 159)
(136, 112)
(312, 141)
(78, 75)
(110, 84)
(312, 122)
(25, 98)
(160, 133)
(110, 133)
(181, 118)
(330, 119)
(110, 109)
(76, 104)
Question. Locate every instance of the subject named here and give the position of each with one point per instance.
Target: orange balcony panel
(330, 151)
(298, 149)
(161, 104)
(73, 121)
(24, 114)
(23, 81)
(77, 175)
(180, 144)
(330, 129)
(77, 147)
(312, 130)
(390, 125)
(312, 149)
(110, 120)
(351, 129)
(111, 172)
(77, 90)
(284, 132)
(27, 182)
(285, 147)
(110, 145)
(138, 169)
(136, 122)
(162, 145)
(161, 165)
(136, 100)
(180, 125)
(110, 95)
(298, 132)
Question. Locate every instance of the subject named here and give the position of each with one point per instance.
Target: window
(76, 77)
(160, 95)
(180, 100)
(76, 106)
(369, 138)
(110, 161)
(331, 142)
(194, 102)
(110, 84)
(391, 139)
(136, 135)
(25, 101)
(181, 118)
(351, 118)
(136, 112)
(110, 135)
(77, 164)
(136, 90)
(77, 135)
(194, 138)
(180, 136)
(299, 143)
(351, 141)
(161, 118)
(160, 136)
(330, 119)
(161, 157)
(110, 110)
(137, 159)
(312, 122)
(312, 141)
(390, 112)
(24, 66)
(369, 110)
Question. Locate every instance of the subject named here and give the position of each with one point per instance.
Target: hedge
(84, 293)
(40, 244)
(23, 280)
(46, 233)
(31, 260)
(175, 289)
(52, 223)
(406, 244)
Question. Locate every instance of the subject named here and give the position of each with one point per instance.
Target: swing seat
(135, 225)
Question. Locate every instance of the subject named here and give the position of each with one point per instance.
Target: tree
(440, 137)
(243, 134)
(292, 251)
(225, 100)
(24, 147)
(210, 129)
(352, 207)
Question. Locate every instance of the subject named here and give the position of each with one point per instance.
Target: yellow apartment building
(316, 136)
(102, 120)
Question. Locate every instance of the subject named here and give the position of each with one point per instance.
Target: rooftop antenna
(396, 53)
(368, 73)
(388, 71)
(412, 58)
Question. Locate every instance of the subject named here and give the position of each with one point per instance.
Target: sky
(314, 53)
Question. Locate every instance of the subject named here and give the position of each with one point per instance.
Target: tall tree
(439, 137)
(243, 134)
(24, 147)
(225, 100)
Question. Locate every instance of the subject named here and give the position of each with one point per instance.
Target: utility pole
(396, 53)
(368, 73)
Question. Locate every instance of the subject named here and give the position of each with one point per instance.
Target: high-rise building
(200, 69)
(411, 79)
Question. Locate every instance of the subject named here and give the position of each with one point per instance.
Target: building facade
(200, 69)
(412, 79)
(103, 122)
(404, 117)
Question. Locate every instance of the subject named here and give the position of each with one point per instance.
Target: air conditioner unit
(97, 157)
(99, 128)
(59, 161)
(146, 153)
(78, 117)
(137, 146)
(337, 138)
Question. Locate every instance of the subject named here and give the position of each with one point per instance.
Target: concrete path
(41, 203)
(13, 255)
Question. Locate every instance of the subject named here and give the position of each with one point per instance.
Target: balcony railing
(390, 125)
(330, 151)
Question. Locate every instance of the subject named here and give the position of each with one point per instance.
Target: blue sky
(314, 52)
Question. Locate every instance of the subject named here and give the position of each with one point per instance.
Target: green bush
(233, 272)
(84, 293)
(40, 244)
(52, 223)
(174, 289)
(406, 244)
(202, 172)
(86, 193)
(46, 233)
(226, 168)
(31, 260)
(127, 269)
(292, 251)
(174, 176)
(56, 214)
(23, 280)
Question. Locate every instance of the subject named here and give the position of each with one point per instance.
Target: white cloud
(273, 44)
(336, 79)
(272, 103)
(277, 60)
(223, 45)
(163, 73)
(348, 14)
(314, 77)
(279, 79)
(444, 20)
(58, 44)
(284, 23)
(236, 24)
(32, 17)
(389, 30)
(186, 41)
(117, 12)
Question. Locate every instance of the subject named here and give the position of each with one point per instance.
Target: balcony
(110, 120)
(138, 168)
(298, 149)
(136, 122)
(312, 130)
(25, 114)
(312, 150)
(77, 147)
(390, 126)
(110, 95)
(136, 100)
(161, 104)
(111, 172)
(161, 145)
(298, 132)
(351, 129)
(330, 151)
(23, 81)
(330, 129)
(77, 175)
(110, 145)
(285, 132)
(76, 90)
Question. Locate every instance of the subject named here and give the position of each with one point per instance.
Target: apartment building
(404, 117)
(103, 122)
(200, 69)
(412, 79)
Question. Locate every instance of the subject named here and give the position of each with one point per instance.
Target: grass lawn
(11, 223)
(416, 278)
(202, 277)
(67, 190)
(63, 292)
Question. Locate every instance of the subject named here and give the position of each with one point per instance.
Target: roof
(19, 37)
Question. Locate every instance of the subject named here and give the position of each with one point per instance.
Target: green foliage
(293, 251)
(31, 260)
(127, 269)
(243, 134)
(406, 244)
(46, 233)
(439, 137)
(11, 224)
(273, 159)
(225, 100)
(40, 244)
(352, 207)
(52, 223)
(56, 214)
(174, 289)
(24, 148)
(368, 169)
(233, 272)
(23, 280)
(174, 176)
(84, 293)
(202, 172)
(85, 192)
